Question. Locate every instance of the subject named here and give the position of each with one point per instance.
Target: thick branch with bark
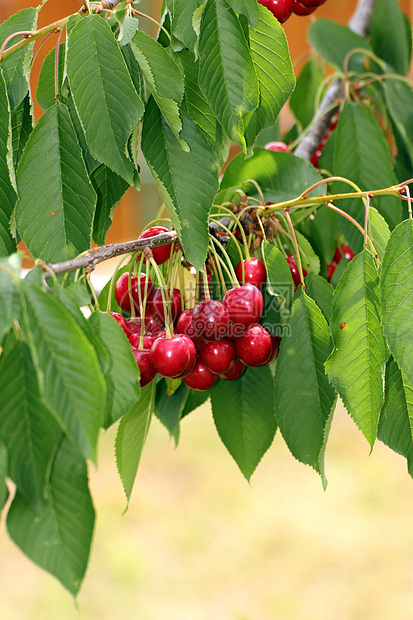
(360, 24)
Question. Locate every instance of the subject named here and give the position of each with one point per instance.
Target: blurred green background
(199, 543)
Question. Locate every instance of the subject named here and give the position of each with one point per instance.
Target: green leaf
(322, 232)
(4, 469)
(396, 286)
(105, 97)
(379, 231)
(279, 279)
(309, 258)
(183, 179)
(90, 162)
(356, 365)
(55, 209)
(46, 88)
(182, 12)
(244, 416)
(9, 293)
(388, 35)
(359, 136)
(16, 67)
(122, 375)
(109, 188)
(7, 194)
(334, 41)
(27, 427)
(226, 67)
(396, 416)
(71, 381)
(58, 538)
(249, 8)
(304, 398)
(195, 399)
(303, 99)
(128, 27)
(22, 126)
(131, 436)
(281, 176)
(272, 62)
(169, 408)
(321, 291)
(399, 101)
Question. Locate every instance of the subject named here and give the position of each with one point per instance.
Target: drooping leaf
(7, 194)
(359, 135)
(226, 67)
(379, 231)
(248, 8)
(183, 179)
(70, 377)
(334, 41)
(356, 364)
(46, 88)
(27, 427)
(399, 100)
(272, 62)
(4, 469)
(388, 35)
(244, 416)
(279, 279)
(16, 67)
(55, 209)
(122, 376)
(109, 188)
(302, 101)
(396, 416)
(90, 162)
(131, 436)
(169, 408)
(309, 258)
(195, 399)
(182, 12)
(281, 176)
(396, 287)
(58, 537)
(322, 232)
(321, 291)
(128, 27)
(105, 97)
(21, 126)
(304, 398)
(9, 294)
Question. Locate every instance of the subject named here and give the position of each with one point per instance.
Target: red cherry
(210, 320)
(171, 356)
(312, 3)
(161, 253)
(235, 372)
(245, 304)
(218, 356)
(147, 340)
(121, 321)
(254, 347)
(254, 272)
(281, 9)
(294, 270)
(146, 369)
(122, 290)
(300, 9)
(347, 252)
(200, 378)
(275, 349)
(337, 256)
(330, 270)
(173, 302)
(277, 146)
(184, 326)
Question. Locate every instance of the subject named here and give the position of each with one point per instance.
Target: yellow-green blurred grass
(198, 543)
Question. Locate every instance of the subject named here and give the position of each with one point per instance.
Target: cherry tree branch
(360, 24)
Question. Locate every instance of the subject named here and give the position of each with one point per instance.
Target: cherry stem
(207, 292)
(366, 219)
(228, 266)
(161, 280)
(56, 65)
(297, 249)
(112, 282)
(94, 295)
(409, 200)
(217, 268)
(356, 224)
(240, 228)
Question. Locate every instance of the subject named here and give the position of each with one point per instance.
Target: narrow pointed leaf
(183, 179)
(7, 194)
(26, 426)
(396, 284)
(389, 37)
(272, 62)
(131, 436)
(105, 97)
(249, 8)
(321, 291)
(46, 88)
(396, 416)
(58, 538)
(22, 126)
(227, 75)
(169, 408)
(55, 209)
(182, 12)
(244, 416)
(304, 398)
(109, 188)
(122, 375)
(334, 41)
(303, 98)
(71, 381)
(399, 100)
(9, 293)
(379, 231)
(356, 365)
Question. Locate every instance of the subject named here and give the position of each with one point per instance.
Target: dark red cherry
(122, 290)
(347, 252)
(161, 253)
(171, 356)
(146, 369)
(254, 347)
(312, 3)
(235, 372)
(245, 304)
(200, 378)
(218, 356)
(294, 270)
(254, 272)
(210, 320)
(173, 302)
(301, 10)
(121, 321)
(184, 326)
(277, 146)
(330, 270)
(281, 9)
(275, 349)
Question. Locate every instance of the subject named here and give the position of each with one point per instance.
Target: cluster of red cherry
(283, 9)
(215, 338)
